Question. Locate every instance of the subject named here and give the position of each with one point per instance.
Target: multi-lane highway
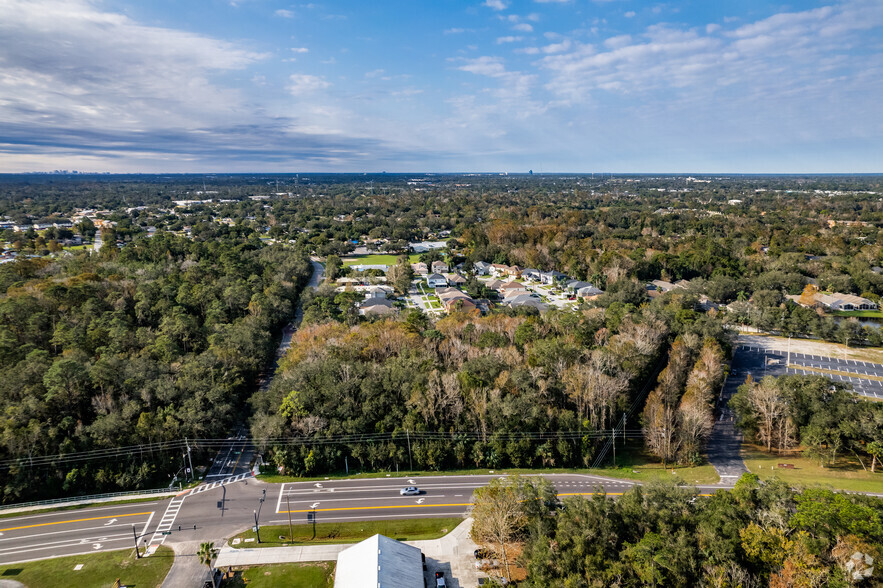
(38, 536)
(224, 509)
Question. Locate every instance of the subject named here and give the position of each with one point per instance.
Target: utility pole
(290, 531)
(410, 461)
(135, 535)
(613, 441)
(189, 461)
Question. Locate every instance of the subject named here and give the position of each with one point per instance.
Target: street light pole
(135, 535)
(290, 531)
(257, 516)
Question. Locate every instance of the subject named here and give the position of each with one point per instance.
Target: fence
(92, 497)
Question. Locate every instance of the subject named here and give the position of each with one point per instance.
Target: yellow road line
(136, 514)
(437, 505)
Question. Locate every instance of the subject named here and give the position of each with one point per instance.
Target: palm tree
(207, 554)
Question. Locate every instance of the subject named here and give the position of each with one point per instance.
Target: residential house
(481, 268)
(589, 292)
(838, 301)
(661, 286)
(436, 281)
(531, 274)
(550, 278)
(376, 307)
(455, 279)
(494, 284)
(510, 289)
(499, 270)
(377, 291)
(526, 300)
(420, 268)
(454, 299)
(439, 267)
(573, 285)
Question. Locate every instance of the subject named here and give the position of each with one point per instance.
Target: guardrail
(62, 501)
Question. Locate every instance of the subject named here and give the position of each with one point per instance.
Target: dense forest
(160, 340)
(479, 384)
(661, 534)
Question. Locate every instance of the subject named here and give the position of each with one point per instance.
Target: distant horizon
(444, 173)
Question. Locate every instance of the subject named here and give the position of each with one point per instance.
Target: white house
(838, 301)
(481, 268)
(439, 267)
(551, 277)
(436, 281)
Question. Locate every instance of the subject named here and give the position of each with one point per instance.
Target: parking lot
(860, 375)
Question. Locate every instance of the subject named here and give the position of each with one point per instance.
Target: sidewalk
(454, 549)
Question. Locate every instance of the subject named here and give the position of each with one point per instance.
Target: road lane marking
(444, 505)
(136, 514)
(72, 542)
(64, 532)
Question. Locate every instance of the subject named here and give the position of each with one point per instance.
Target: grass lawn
(860, 313)
(350, 532)
(633, 464)
(376, 260)
(846, 474)
(99, 570)
(305, 575)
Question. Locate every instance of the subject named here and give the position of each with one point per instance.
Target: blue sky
(490, 85)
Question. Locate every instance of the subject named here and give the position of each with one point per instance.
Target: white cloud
(300, 50)
(495, 4)
(551, 1)
(630, 14)
(557, 47)
(283, 13)
(528, 50)
(375, 73)
(454, 31)
(523, 27)
(508, 39)
(302, 84)
(712, 28)
(485, 66)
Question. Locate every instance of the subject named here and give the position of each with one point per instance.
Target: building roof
(436, 277)
(369, 302)
(838, 299)
(379, 562)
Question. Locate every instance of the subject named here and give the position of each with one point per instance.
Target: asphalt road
(105, 528)
(222, 511)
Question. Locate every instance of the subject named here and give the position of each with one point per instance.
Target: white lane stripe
(117, 527)
(71, 542)
(279, 502)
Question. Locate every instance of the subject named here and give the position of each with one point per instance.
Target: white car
(409, 491)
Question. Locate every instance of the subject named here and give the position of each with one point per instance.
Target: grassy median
(99, 570)
(349, 532)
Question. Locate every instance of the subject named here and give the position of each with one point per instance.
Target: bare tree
(770, 407)
(498, 515)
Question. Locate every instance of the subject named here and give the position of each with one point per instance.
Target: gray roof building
(379, 562)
